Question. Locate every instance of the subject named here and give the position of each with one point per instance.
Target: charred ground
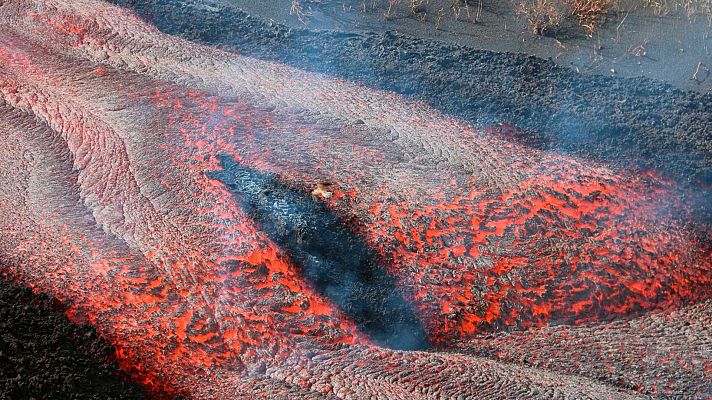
(44, 356)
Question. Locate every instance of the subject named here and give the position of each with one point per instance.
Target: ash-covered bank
(635, 122)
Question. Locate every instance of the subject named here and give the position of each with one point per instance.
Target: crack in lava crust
(329, 255)
(111, 135)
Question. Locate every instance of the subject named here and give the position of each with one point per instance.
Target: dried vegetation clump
(548, 15)
(542, 15)
(693, 8)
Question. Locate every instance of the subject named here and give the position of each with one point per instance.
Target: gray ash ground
(625, 123)
(630, 40)
(44, 356)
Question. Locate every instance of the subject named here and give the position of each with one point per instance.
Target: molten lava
(137, 185)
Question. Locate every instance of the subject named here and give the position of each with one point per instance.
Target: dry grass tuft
(542, 15)
(470, 10)
(693, 8)
(548, 15)
(590, 14)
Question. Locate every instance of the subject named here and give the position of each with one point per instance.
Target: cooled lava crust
(161, 190)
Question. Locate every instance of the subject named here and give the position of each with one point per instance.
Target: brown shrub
(547, 15)
(590, 14)
(542, 15)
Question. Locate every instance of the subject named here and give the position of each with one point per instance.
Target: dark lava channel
(330, 255)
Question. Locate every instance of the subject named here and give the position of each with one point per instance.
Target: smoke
(330, 255)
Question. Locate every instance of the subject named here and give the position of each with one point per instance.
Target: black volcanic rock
(44, 356)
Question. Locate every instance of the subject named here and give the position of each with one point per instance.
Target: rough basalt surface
(160, 189)
(44, 356)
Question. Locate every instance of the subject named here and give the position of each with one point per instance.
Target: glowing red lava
(109, 130)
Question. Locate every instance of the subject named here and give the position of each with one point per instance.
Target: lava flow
(161, 190)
